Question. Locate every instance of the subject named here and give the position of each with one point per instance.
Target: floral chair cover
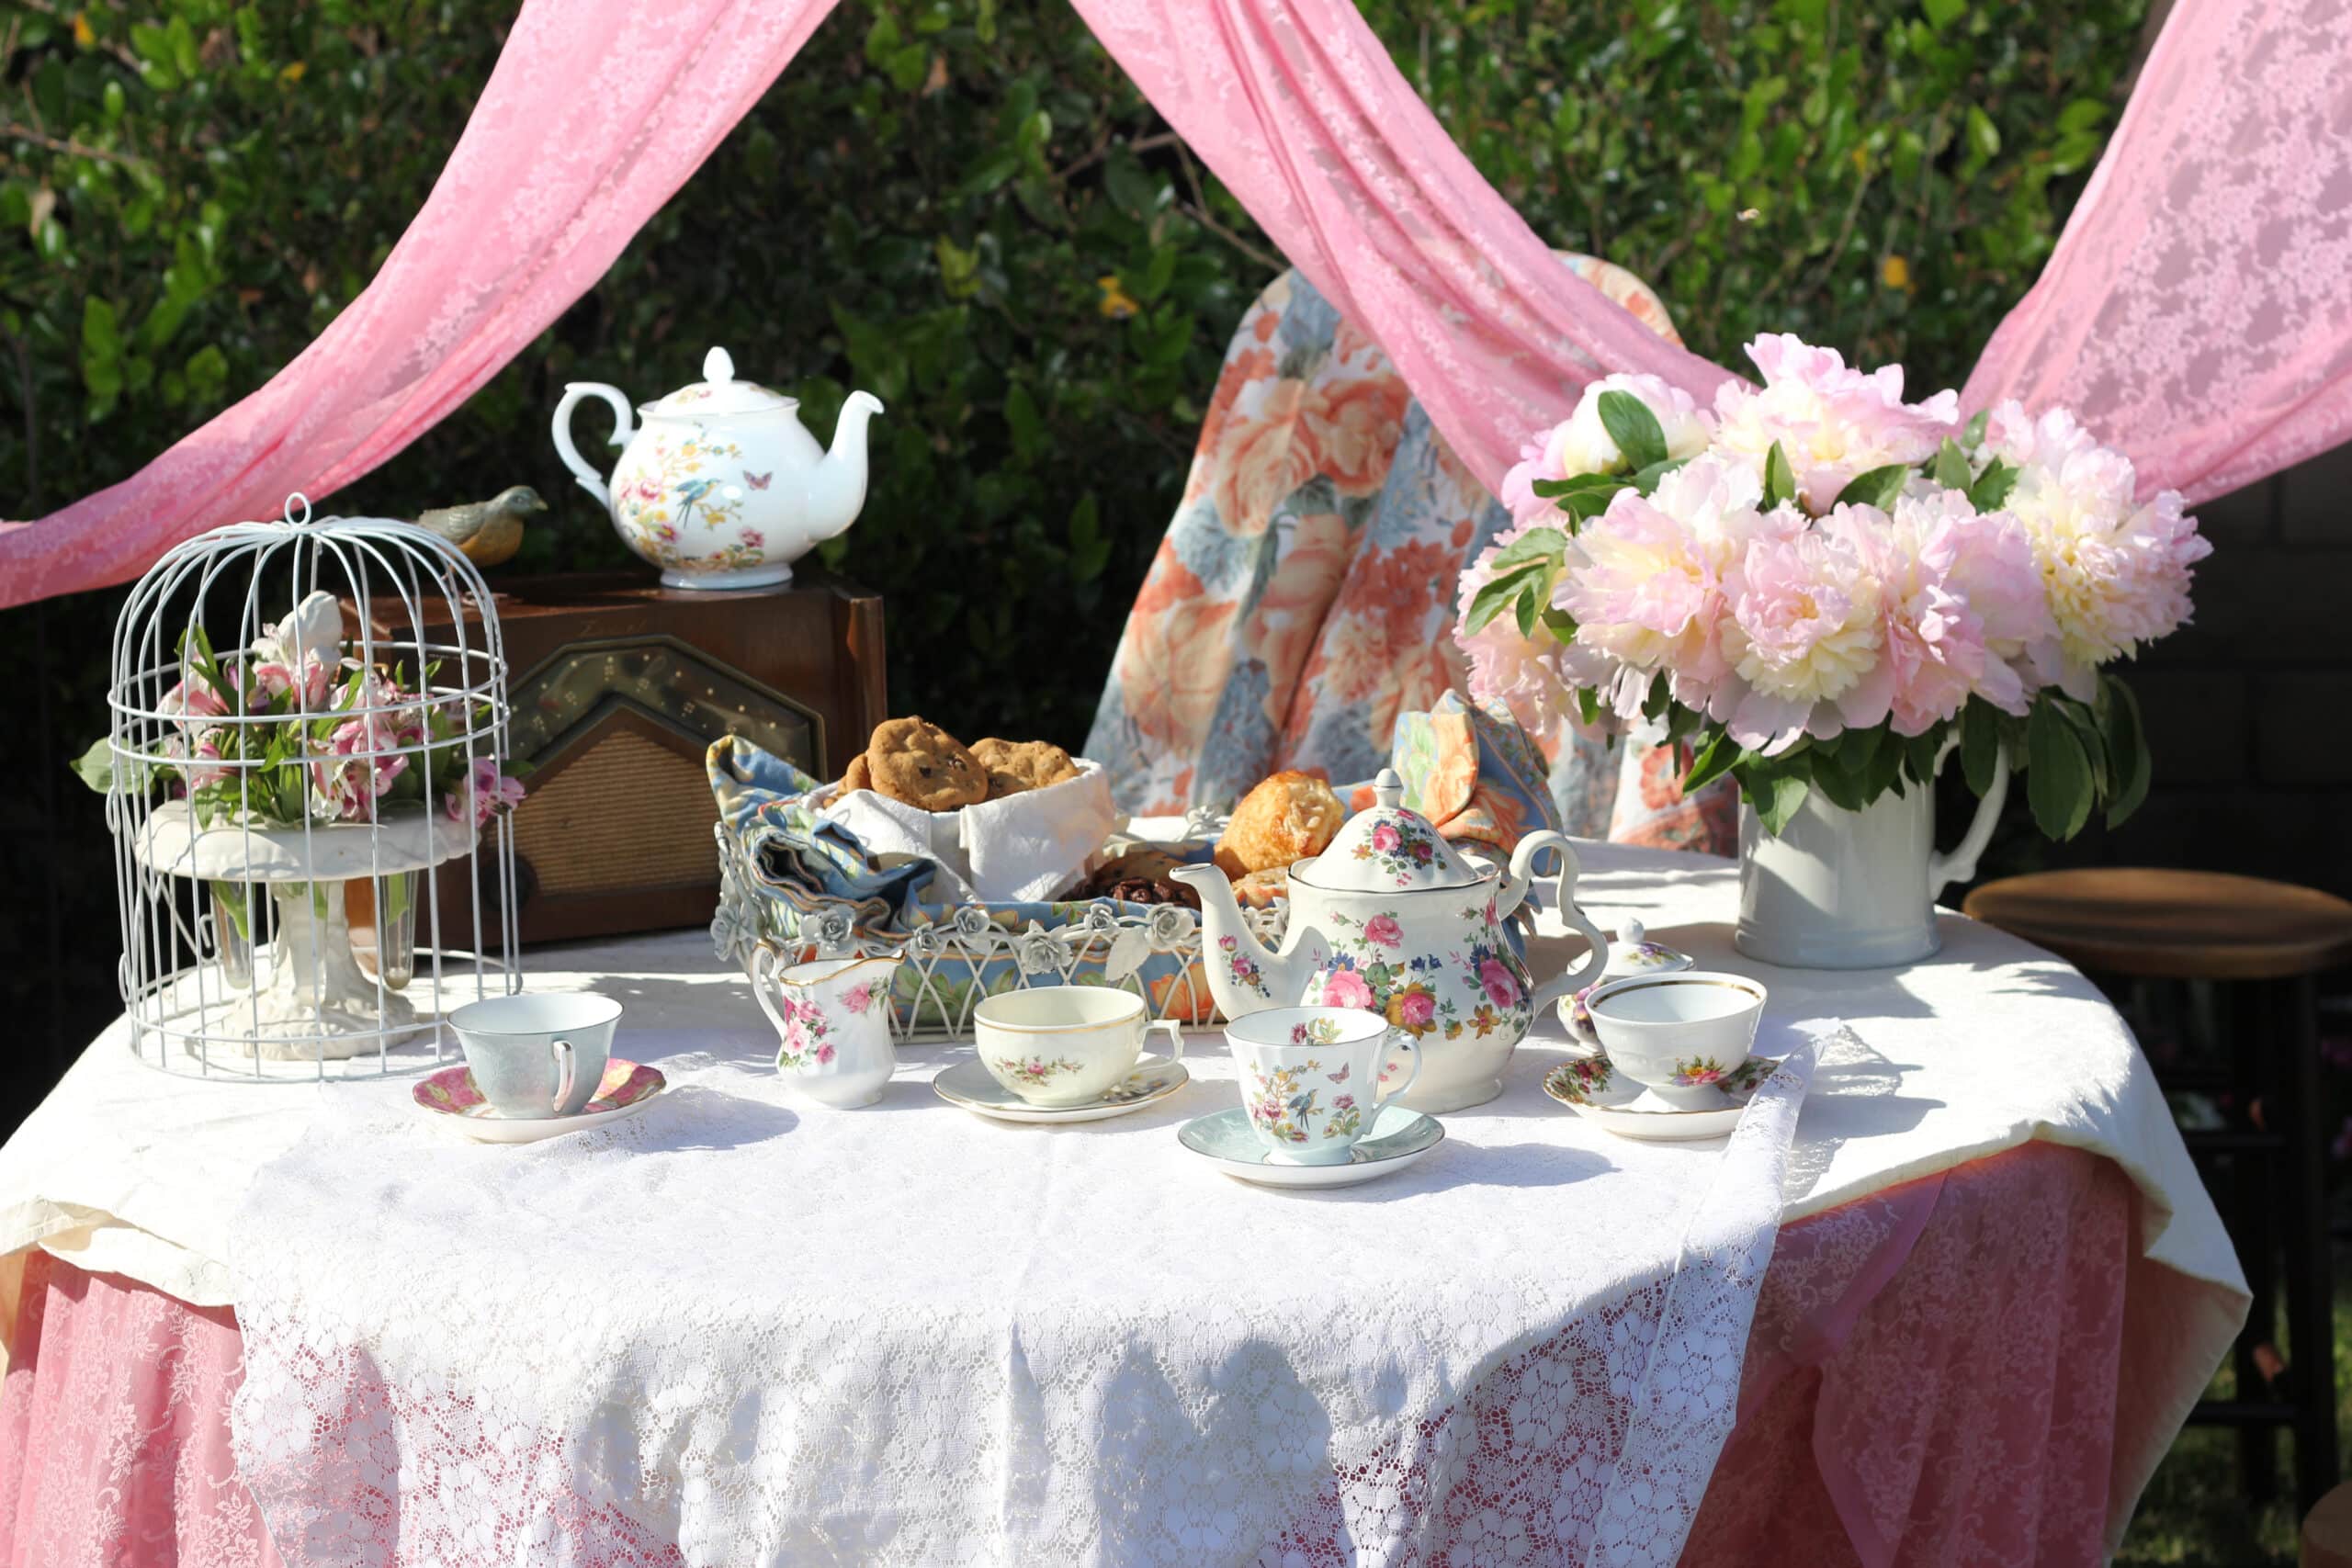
(1302, 598)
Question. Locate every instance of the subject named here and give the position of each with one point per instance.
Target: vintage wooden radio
(617, 687)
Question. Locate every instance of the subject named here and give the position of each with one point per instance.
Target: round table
(738, 1328)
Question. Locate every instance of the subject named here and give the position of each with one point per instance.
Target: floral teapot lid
(718, 394)
(1389, 849)
(1633, 953)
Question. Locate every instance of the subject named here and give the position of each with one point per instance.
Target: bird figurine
(489, 531)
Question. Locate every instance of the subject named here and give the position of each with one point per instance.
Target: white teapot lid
(1633, 953)
(719, 393)
(1389, 849)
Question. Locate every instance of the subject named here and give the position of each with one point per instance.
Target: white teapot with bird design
(1393, 919)
(722, 487)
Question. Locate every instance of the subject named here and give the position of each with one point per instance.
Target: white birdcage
(299, 804)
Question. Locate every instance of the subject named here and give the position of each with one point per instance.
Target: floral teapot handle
(1514, 893)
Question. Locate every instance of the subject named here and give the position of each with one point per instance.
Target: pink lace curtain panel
(2197, 310)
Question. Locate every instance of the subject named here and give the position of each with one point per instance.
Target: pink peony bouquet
(291, 729)
(1821, 587)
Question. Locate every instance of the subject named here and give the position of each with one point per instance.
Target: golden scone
(1288, 816)
(1015, 766)
(922, 764)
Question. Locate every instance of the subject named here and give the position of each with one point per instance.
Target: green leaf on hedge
(1780, 480)
(2058, 775)
(1635, 430)
(1991, 490)
(1980, 744)
(1878, 487)
(1951, 469)
(2127, 749)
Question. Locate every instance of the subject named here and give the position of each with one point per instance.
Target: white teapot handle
(624, 426)
(1514, 893)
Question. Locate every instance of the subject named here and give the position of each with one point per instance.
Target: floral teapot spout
(721, 487)
(1392, 918)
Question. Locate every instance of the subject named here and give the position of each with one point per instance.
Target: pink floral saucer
(626, 1088)
(1592, 1088)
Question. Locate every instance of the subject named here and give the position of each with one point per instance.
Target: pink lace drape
(2196, 311)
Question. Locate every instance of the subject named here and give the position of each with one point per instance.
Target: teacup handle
(1397, 1040)
(566, 1068)
(1175, 1036)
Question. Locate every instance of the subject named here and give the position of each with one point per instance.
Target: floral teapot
(1392, 918)
(721, 487)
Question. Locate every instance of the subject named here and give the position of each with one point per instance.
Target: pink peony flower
(1833, 423)
(858, 998)
(1581, 443)
(1384, 837)
(1346, 988)
(1520, 675)
(1383, 931)
(1805, 634)
(1415, 1010)
(2115, 571)
(1500, 986)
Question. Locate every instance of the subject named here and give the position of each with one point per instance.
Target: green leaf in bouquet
(1919, 754)
(1715, 759)
(1654, 704)
(1780, 480)
(1836, 784)
(2057, 775)
(1589, 705)
(1884, 773)
(1857, 749)
(1951, 469)
(2127, 749)
(1536, 547)
(1489, 601)
(1559, 622)
(1974, 435)
(1991, 490)
(1524, 607)
(1645, 481)
(2086, 730)
(1775, 792)
(1635, 430)
(1980, 744)
(1878, 487)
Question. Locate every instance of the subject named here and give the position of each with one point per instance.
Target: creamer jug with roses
(1392, 918)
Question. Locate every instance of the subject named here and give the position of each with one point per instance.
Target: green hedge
(955, 204)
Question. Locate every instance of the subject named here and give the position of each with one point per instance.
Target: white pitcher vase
(1839, 890)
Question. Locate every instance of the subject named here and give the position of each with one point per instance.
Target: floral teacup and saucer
(1063, 1054)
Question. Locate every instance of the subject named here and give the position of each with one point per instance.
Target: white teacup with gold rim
(1313, 1079)
(1678, 1035)
(1060, 1045)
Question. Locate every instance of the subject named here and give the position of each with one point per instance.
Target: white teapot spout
(837, 489)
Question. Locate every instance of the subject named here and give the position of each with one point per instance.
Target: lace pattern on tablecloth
(486, 1395)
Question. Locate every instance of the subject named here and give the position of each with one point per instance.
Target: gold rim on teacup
(788, 972)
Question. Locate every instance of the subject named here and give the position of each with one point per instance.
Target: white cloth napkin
(1025, 847)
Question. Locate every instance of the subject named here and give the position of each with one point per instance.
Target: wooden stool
(2328, 1531)
(2268, 940)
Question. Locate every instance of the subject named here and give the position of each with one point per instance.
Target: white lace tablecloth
(902, 1334)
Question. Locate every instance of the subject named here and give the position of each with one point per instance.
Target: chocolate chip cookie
(1014, 766)
(922, 764)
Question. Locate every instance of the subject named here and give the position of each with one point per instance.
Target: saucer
(1226, 1140)
(973, 1087)
(450, 1096)
(1595, 1090)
